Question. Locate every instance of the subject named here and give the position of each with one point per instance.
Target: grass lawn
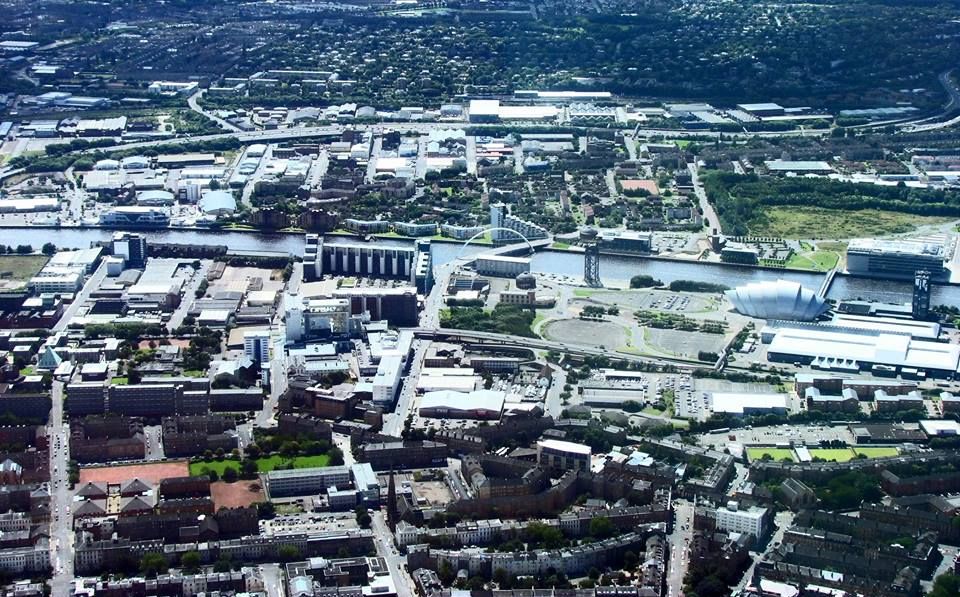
(816, 260)
(21, 267)
(118, 381)
(833, 454)
(777, 454)
(807, 222)
(585, 291)
(877, 452)
(27, 371)
(536, 321)
(560, 245)
(193, 373)
(264, 465)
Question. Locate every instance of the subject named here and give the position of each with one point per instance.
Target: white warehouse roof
(829, 342)
(737, 402)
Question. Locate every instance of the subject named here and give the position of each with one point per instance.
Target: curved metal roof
(217, 201)
(781, 299)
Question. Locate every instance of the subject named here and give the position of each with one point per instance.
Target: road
(537, 344)
(709, 215)
(153, 436)
(76, 196)
(393, 422)
(679, 541)
(553, 405)
(61, 532)
(92, 283)
(949, 109)
(189, 292)
(423, 128)
(273, 582)
(383, 539)
(193, 102)
(783, 521)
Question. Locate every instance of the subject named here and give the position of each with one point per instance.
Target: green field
(777, 454)
(815, 222)
(21, 267)
(816, 260)
(833, 454)
(877, 452)
(264, 465)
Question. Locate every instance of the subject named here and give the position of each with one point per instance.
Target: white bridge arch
(479, 234)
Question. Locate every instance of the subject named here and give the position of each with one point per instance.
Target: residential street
(61, 531)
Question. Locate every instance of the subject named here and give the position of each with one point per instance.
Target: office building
(401, 455)
(132, 248)
(306, 481)
(626, 241)
(256, 345)
(734, 519)
(900, 258)
(552, 453)
(366, 482)
(135, 216)
(315, 318)
(386, 382)
(502, 265)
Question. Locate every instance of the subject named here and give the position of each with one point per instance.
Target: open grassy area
(833, 454)
(119, 381)
(877, 452)
(264, 465)
(815, 222)
(21, 267)
(777, 454)
(816, 260)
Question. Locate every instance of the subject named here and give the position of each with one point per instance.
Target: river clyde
(613, 269)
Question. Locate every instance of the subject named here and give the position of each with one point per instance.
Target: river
(612, 268)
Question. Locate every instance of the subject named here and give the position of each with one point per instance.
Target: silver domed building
(777, 300)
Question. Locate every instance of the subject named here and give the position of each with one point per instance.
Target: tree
(230, 474)
(190, 561)
(248, 469)
(601, 527)
(134, 377)
(446, 573)
(24, 249)
(223, 564)
(336, 456)
(363, 517)
(946, 585)
(49, 249)
(253, 450)
(153, 563)
(288, 553)
(630, 560)
(266, 510)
